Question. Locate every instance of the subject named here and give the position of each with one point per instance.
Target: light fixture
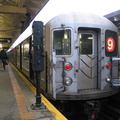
(116, 19)
(65, 35)
(108, 65)
(0, 46)
(26, 46)
(68, 66)
(90, 38)
(68, 81)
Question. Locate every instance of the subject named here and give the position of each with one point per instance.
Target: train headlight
(68, 66)
(108, 79)
(68, 81)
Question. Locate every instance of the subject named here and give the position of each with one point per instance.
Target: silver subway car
(79, 50)
(80, 64)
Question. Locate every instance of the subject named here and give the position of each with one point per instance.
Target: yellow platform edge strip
(19, 96)
(49, 106)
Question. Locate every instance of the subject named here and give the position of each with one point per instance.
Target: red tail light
(68, 66)
(107, 65)
(93, 116)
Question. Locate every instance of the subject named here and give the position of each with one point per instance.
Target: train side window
(62, 41)
(85, 43)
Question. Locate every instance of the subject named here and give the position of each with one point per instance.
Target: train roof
(83, 19)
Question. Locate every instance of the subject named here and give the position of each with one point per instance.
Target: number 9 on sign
(110, 44)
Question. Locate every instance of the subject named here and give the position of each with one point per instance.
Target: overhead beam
(5, 36)
(12, 10)
(5, 47)
(21, 3)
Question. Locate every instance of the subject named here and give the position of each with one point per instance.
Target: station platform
(16, 98)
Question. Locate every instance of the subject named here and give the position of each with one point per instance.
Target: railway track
(111, 109)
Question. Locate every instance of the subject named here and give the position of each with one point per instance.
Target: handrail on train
(115, 59)
(116, 81)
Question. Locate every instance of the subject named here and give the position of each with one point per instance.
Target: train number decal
(111, 43)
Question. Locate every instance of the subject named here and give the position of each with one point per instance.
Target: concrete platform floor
(16, 98)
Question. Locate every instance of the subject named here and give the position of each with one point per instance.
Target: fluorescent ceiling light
(0, 46)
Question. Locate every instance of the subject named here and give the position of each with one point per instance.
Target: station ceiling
(15, 15)
(114, 17)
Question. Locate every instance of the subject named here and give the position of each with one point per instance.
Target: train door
(87, 74)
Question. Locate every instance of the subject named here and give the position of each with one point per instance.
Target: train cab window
(62, 41)
(85, 43)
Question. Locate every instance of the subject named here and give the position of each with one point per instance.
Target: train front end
(79, 49)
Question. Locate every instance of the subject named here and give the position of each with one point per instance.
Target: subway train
(79, 64)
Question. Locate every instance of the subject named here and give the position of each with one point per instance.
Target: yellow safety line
(49, 106)
(20, 98)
